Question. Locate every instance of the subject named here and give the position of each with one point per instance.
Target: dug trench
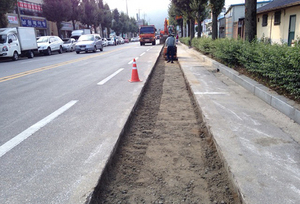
(165, 154)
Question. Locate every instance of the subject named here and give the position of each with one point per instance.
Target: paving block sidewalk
(258, 143)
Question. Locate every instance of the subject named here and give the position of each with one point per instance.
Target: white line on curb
(210, 93)
(34, 128)
(109, 77)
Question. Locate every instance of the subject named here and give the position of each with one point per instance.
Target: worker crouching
(170, 43)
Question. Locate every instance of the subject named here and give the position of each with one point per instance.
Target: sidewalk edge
(279, 102)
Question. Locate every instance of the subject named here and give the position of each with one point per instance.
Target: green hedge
(279, 65)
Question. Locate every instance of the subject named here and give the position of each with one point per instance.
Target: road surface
(59, 118)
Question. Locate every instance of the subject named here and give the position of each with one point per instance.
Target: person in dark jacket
(170, 42)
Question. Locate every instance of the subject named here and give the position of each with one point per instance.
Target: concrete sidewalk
(259, 143)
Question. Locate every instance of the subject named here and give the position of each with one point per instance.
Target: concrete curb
(258, 145)
(279, 102)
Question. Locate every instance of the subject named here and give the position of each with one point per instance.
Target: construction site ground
(166, 155)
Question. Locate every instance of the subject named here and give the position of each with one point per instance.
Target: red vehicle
(147, 34)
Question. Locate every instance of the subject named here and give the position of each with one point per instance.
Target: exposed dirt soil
(165, 155)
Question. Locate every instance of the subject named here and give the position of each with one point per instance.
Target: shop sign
(30, 6)
(66, 26)
(33, 22)
(13, 19)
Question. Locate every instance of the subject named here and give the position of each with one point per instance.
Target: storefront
(31, 16)
(40, 24)
(66, 29)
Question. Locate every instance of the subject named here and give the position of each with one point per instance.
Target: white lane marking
(227, 109)
(34, 128)
(210, 93)
(132, 60)
(142, 54)
(109, 77)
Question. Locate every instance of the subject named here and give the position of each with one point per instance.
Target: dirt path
(165, 156)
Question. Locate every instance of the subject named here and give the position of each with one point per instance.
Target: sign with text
(13, 19)
(33, 22)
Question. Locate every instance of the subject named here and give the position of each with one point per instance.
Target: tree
(116, 24)
(75, 11)
(100, 15)
(107, 18)
(185, 7)
(124, 21)
(133, 26)
(216, 8)
(175, 16)
(250, 19)
(200, 10)
(5, 7)
(57, 11)
(90, 15)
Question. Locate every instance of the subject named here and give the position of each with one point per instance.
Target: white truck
(77, 33)
(18, 41)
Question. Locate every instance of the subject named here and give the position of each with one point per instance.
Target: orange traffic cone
(134, 73)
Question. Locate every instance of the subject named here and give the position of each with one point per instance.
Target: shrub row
(279, 65)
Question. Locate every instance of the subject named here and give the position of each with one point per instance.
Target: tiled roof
(278, 4)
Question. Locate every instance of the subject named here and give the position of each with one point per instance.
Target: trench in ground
(165, 154)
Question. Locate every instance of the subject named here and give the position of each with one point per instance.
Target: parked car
(117, 41)
(104, 42)
(49, 44)
(120, 40)
(89, 42)
(135, 39)
(126, 40)
(111, 41)
(69, 44)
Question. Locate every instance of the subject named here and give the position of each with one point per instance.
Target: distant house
(279, 21)
(207, 25)
(222, 26)
(234, 17)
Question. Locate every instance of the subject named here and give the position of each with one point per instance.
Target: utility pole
(126, 8)
(139, 16)
(144, 21)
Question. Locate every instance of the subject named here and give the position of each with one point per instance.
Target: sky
(154, 11)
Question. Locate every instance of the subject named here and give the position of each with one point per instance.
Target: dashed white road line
(132, 60)
(142, 54)
(109, 77)
(6, 147)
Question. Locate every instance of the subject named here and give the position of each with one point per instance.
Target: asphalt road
(60, 116)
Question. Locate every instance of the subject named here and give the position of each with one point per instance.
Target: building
(279, 21)
(222, 27)
(235, 17)
(29, 14)
(207, 25)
